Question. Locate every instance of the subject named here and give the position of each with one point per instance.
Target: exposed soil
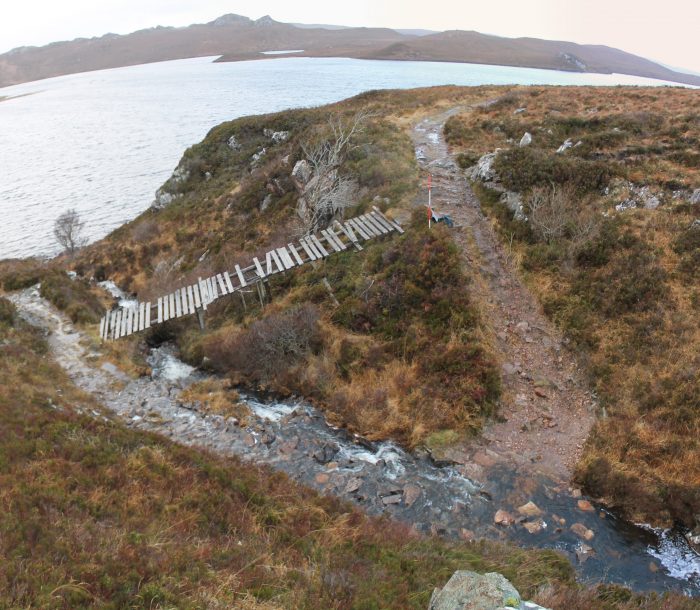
(546, 411)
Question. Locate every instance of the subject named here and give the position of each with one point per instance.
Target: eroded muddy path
(546, 412)
(380, 478)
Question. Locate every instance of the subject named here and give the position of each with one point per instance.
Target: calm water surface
(103, 142)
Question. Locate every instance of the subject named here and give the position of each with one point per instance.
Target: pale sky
(667, 31)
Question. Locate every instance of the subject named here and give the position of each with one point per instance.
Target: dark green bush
(7, 312)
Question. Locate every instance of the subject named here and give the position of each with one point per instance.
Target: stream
(453, 500)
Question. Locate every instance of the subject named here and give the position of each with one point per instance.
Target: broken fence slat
(241, 279)
(294, 252)
(336, 237)
(147, 324)
(229, 283)
(258, 268)
(348, 232)
(329, 240)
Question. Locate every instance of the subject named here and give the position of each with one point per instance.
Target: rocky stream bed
(450, 499)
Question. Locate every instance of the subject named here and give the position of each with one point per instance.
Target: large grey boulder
(483, 170)
(302, 171)
(468, 590)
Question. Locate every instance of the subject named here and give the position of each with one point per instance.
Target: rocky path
(546, 411)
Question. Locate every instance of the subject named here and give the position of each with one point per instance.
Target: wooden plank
(222, 284)
(113, 321)
(211, 286)
(185, 304)
(367, 227)
(285, 258)
(148, 316)
(353, 224)
(375, 225)
(142, 316)
(205, 294)
(258, 267)
(276, 258)
(393, 223)
(118, 325)
(159, 319)
(190, 299)
(125, 313)
(171, 299)
(337, 239)
(241, 279)
(294, 252)
(381, 221)
(229, 283)
(349, 234)
(103, 323)
(318, 245)
(289, 260)
(329, 240)
(197, 300)
(166, 308)
(178, 304)
(310, 251)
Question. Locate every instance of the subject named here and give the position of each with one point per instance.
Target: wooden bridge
(195, 298)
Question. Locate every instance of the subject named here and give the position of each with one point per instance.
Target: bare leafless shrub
(270, 345)
(557, 212)
(145, 231)
(68, 230)
(328, 192)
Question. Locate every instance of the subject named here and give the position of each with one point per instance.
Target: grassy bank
(622, 284)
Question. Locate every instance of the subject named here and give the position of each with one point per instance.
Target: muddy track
(546, 411)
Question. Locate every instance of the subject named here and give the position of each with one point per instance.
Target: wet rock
(526, 140)
(289, 446)
(411, 493)
(468, 590)
(582, 531)
(575, 493)
(653, 567)
(392, 499)
(325, 453)
(353, 485)
(584, 552)
(585, 505)
(466, 535)
(530, 509)
(503, 517)
(534, 527)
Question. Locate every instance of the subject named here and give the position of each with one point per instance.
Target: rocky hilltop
(234, 37)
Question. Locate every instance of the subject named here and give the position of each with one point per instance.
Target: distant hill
(235, 37)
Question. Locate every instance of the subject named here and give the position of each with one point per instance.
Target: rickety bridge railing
(195, 298)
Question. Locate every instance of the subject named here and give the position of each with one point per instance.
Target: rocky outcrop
(277, 137)
(483, 170)
(233, 143)
(167, 193)
(468, 590)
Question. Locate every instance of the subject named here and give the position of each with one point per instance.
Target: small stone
(509, 369)
(575, 493)
(353, 485)
(653, 567)
(410, 494)
(530, 509)
(582, 531)
(466, 535)
(392, 499)
(526, 140)
(584, 552)
(332, 466)
(585, 505)
(249, 440)
(503, 517)
(534, 527)
(322, 478)
(522, 327)
(540, 393)
(289, 446)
